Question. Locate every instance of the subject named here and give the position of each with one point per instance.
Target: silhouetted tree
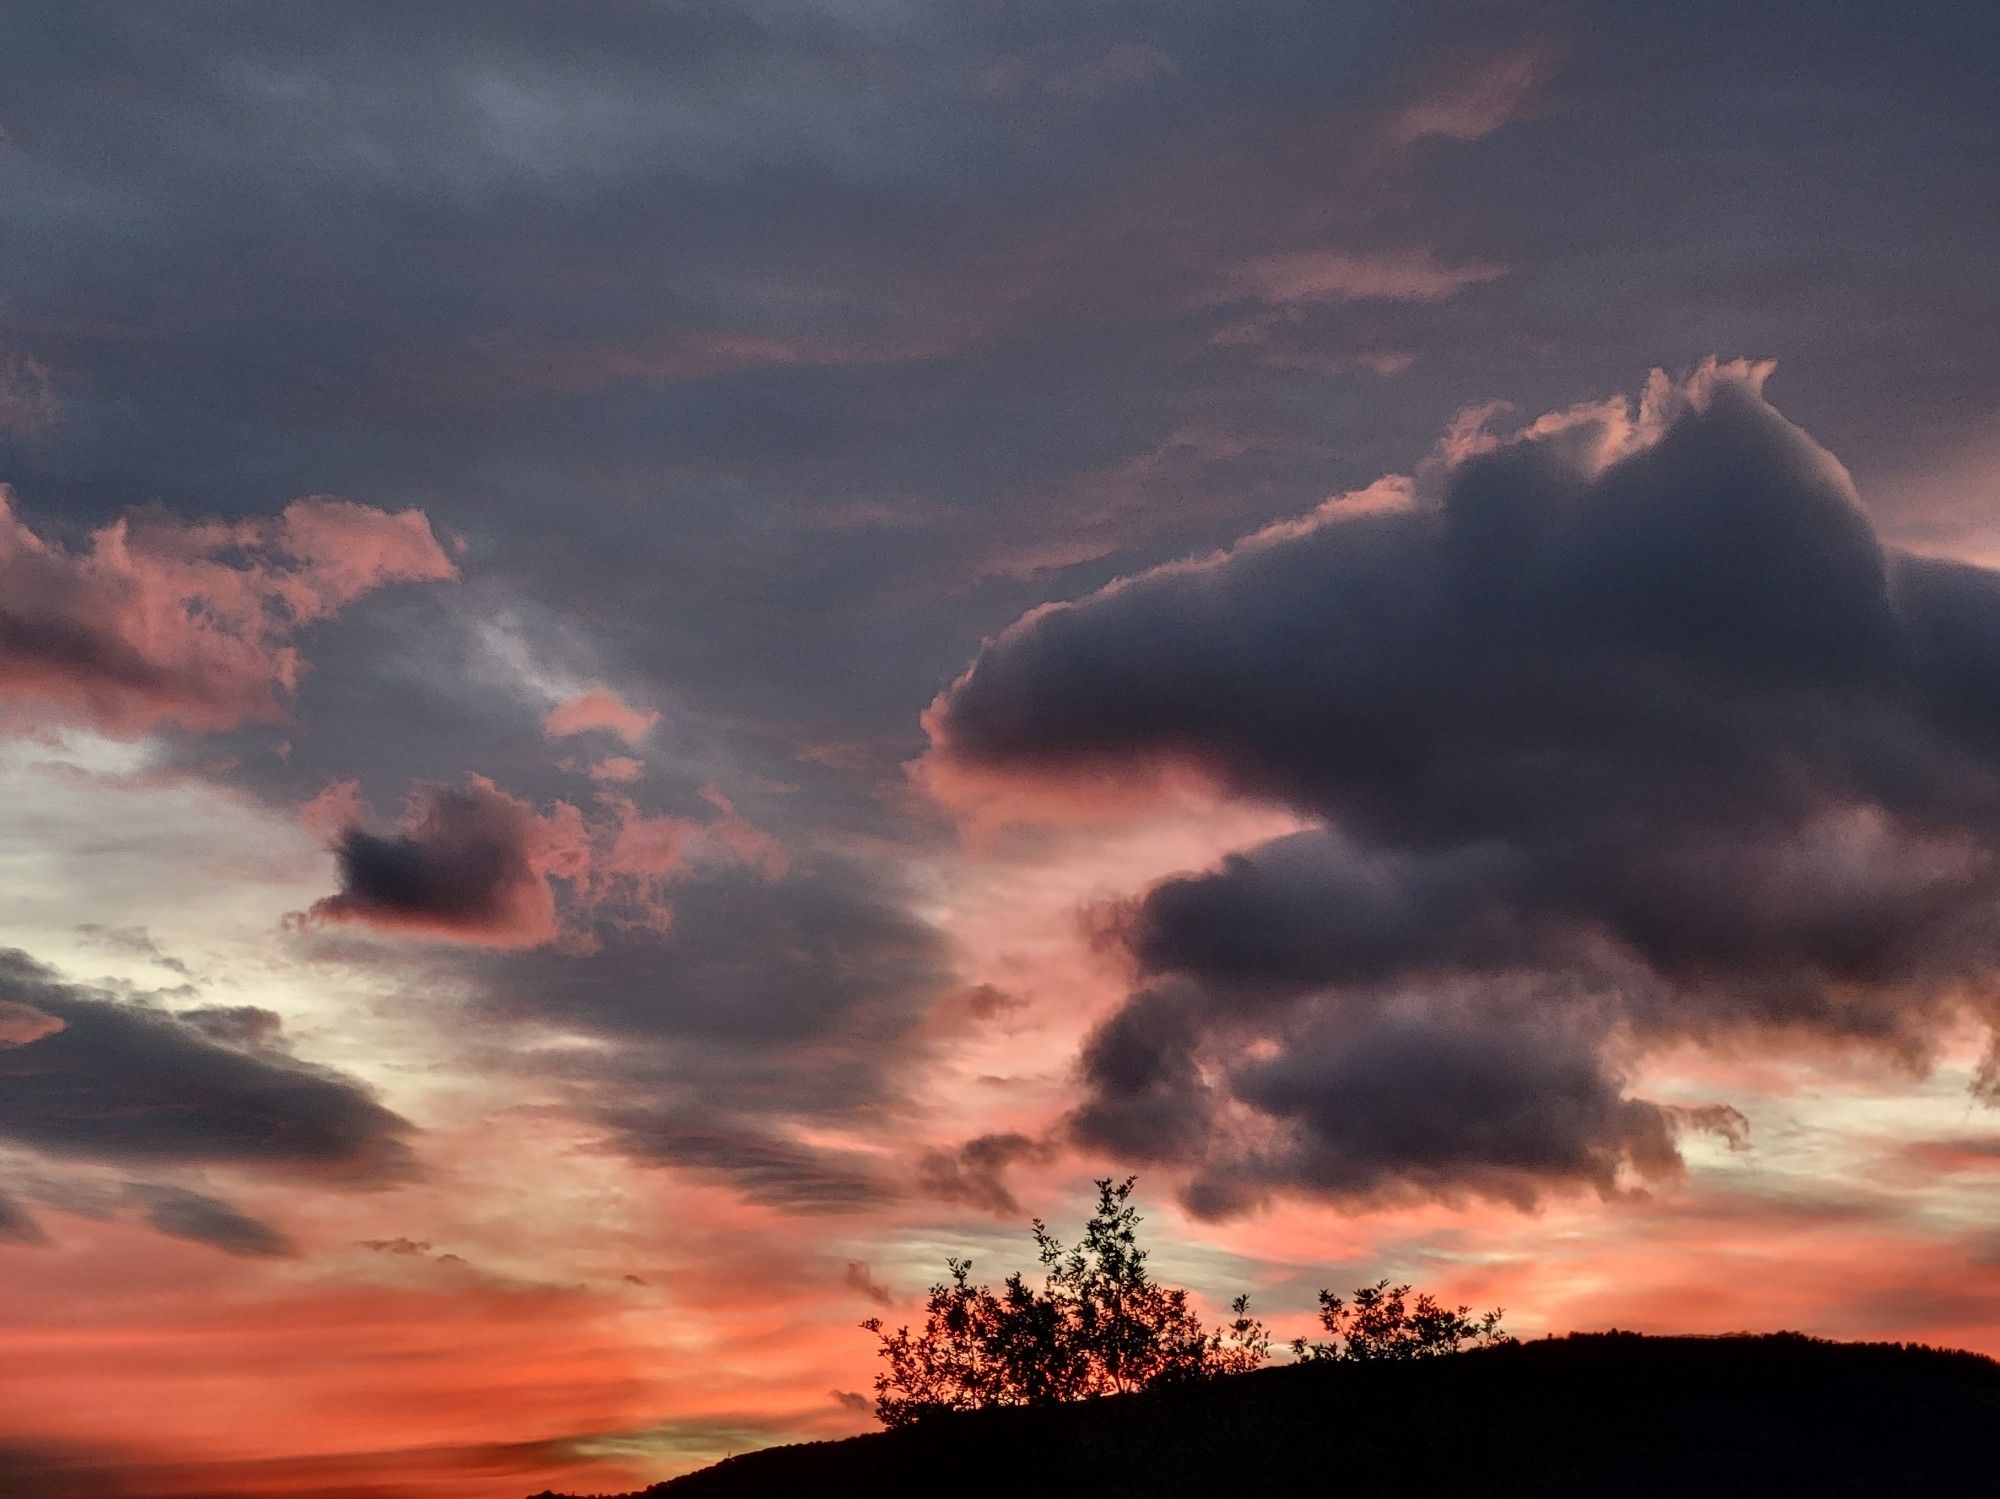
(1098, 1325)
(1382, 1323)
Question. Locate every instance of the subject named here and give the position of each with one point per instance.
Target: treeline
(1099, 1324)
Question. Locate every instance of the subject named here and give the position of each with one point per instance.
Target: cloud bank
(117, 1082)
(1627, 728)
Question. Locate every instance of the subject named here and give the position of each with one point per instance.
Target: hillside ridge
(1585, 1414)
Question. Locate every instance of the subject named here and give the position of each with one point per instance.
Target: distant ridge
(1602, 1414)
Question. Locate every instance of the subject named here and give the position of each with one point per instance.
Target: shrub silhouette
(1100, 1325)
(1381, 1323)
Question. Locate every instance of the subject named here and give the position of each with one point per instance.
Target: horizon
(660, 664)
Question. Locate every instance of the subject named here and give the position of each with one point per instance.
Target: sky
(661, 662)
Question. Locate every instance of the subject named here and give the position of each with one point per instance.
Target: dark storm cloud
(756, 274)
(1413, 1100)
(1632, 719)
(183, 1214)
(883, 315)
(121, 1082)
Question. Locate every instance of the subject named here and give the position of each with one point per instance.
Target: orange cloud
(23, 1024)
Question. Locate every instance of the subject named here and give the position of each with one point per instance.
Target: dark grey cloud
(975, 1172)
(828, 947)
(772, 1001)
(863, 328)
(1632, 719)
(466, 865)
(754, 1159)
(184, 1214)
(1416, 1099)
(245, 1027)
(122, 1082)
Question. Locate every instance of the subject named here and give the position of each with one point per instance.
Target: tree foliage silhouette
(1098, 1325)
(1381, 1322)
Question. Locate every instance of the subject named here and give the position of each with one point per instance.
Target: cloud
(1414, 1100)
(975, 1173)
(246, 1027)
(856, 1277)
(474, 863)
(1475, 95)
(29, 406)
(160, 621)
(775, 1009)
(402, 1244)
(182, 1214)
(125, 1083)
(1303, 277)
(761, 963)
(617, 770)
(599, 710)
(763, 1167)
(132, 941)
(471, 863)
(17, 1224)
(1628, 729)
(23, 1024)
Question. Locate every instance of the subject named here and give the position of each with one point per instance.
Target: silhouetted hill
(1599, 1414)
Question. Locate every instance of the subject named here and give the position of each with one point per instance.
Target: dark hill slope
(1604, 1414)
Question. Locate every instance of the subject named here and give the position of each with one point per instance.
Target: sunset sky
(662, 661)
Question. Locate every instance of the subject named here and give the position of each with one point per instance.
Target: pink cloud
(23, 1024)
(1308, 276)
(599, 710)
(617, 770)
(1474, 97)
(159, 621)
